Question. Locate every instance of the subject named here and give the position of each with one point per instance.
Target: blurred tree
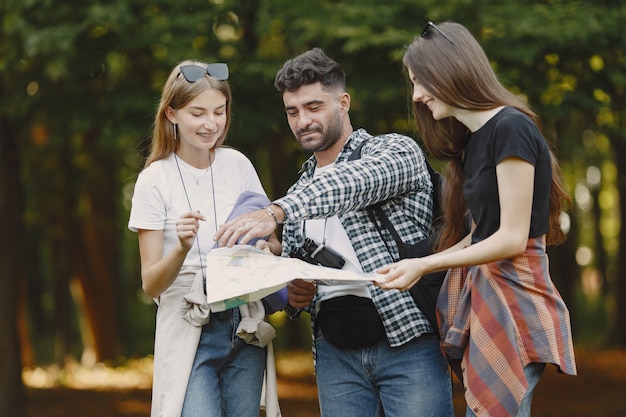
(11, 390)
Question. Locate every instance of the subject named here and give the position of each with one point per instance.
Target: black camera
(317, 255)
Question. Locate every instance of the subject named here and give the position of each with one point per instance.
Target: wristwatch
(293, 312)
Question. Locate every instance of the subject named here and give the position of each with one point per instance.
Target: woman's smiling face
(202, 121)
(438, 108)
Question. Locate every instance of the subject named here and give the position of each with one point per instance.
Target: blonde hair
(177, 93)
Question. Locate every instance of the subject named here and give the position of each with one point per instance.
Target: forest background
(80, 82)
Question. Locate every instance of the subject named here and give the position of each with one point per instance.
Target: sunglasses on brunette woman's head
(430, 25)
(193, 73)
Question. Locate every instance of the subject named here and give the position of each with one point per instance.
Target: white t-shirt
(159, 198)
(331, 230)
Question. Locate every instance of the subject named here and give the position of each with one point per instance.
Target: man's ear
(344, 101)
(170, 114)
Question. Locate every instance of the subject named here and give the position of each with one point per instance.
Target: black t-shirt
(509, 133)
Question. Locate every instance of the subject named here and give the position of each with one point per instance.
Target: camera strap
(323, 244)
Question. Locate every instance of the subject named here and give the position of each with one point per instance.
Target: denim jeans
(533, 372)
(411, 380)
(227, 374)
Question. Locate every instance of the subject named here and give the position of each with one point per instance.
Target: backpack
(426, 290)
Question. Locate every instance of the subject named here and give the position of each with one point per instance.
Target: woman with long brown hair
(502, 318)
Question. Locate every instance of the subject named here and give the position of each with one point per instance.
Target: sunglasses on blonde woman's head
(429, 25)
(193, 73)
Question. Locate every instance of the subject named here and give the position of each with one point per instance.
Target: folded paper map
(244, 274)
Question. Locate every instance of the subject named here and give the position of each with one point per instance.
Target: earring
(175, 127)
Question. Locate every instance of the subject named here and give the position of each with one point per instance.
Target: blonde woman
(189, 185)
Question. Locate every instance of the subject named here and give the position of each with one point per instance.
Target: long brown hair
(177, 92)
(456, 70)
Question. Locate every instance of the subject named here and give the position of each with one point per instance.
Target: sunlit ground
(137, 373)
(124, 390)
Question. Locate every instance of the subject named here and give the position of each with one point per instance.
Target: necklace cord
(190, 209)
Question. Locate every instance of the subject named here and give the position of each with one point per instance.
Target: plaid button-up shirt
(392, 168)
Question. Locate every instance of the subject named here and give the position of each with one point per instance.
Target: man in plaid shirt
(375, 352)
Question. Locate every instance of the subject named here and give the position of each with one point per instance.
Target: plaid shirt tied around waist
(496, 319)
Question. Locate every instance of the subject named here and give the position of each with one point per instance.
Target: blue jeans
(227, 374)
(411, 380)
(533, 372)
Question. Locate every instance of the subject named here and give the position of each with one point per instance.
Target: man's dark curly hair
(308, 68)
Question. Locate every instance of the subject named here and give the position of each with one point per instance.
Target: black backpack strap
(425, 291)
(356, 153)
(375, 211)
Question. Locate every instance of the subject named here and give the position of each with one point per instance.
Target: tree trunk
(57, 201)
(98, 273)
(11, 387)
(601, 258)
(564, 269)
(619, 330)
